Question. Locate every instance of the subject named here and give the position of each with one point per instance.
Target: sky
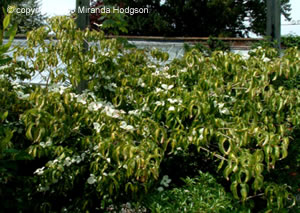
(63, 7)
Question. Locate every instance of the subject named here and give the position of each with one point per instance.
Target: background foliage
(290, 41)
(25, 22)
(213, 18)
(28, 22)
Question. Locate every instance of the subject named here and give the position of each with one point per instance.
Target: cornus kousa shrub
(107, 144)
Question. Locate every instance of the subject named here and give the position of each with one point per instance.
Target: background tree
(30, 21)
(111, 23)
(199, 17)
(3, 6)
(152, 23)
(204, 18)
(257, 11)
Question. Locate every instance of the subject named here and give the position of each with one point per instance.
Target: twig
(253, 196)
(214, 154)
(226, 136)
(243, 88)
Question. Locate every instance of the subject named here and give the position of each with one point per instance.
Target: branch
(214, 154)
(253, 196)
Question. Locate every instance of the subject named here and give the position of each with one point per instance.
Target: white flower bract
(167, 87)
(171, 108)
(91, 180)
(124, 125)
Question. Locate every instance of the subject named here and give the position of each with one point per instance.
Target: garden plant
(198, 134)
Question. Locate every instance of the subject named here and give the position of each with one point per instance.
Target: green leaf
(233, 188)
(28, 132)
(4, 61)
(5, 48)
(1, 38)
(220, 165)
(12, 32)
(227, 171)
(4, 116)
(244, 191)
(6, 21)
(258, 182)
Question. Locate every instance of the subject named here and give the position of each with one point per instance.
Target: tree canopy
(25, 22)
(199, 17)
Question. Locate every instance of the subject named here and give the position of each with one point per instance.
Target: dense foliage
(201, 193)
(212, 45)
(290, 41)
(117, 141)
(199, 18)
